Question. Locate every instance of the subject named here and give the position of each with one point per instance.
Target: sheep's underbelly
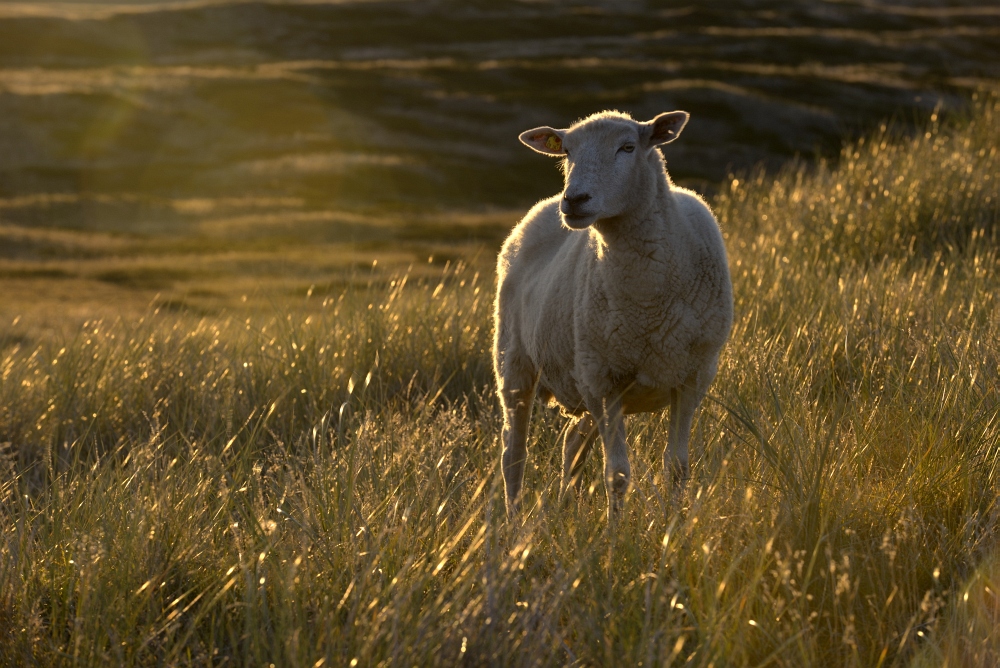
(563, 391)
(642, 365)
(646, 391)
(640, 399)
(645, 382)
(636, 398)
(647, 371)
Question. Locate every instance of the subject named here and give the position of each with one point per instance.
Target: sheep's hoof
(513, 510)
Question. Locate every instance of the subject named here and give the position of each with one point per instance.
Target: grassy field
(316, 482)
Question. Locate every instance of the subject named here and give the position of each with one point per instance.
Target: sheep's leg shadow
(517, 396)
(617, 471)
(683, 402)
(580, 436)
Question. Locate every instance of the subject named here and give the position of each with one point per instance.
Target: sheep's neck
(638, 251)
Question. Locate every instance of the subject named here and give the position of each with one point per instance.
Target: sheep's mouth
(577, 221)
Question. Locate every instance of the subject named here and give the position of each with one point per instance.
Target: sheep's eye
(628, 148)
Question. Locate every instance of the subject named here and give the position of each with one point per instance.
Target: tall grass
(319, 484)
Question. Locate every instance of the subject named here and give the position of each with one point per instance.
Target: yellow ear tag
(553, 143)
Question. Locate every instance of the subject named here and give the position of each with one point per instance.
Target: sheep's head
(610, 161)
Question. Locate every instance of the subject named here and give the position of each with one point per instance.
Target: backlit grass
(319, 482)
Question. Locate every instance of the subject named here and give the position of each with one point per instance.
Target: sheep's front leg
(617, 472)
(683, 402)
(516, 395)
(580, 436)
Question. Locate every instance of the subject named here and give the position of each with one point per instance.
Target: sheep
(613, 297)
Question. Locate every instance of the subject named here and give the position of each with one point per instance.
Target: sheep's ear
(666, 127)
(545, 140)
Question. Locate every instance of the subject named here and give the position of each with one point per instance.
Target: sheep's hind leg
(683, 402)
(617, 471)
(580, 436)
(517, 397)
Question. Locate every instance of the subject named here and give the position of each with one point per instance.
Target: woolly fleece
(627, 314)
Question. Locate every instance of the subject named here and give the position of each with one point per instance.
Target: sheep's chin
(577, 222)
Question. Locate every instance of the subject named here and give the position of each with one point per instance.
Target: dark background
(416, 106)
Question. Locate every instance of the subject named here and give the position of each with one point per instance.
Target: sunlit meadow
(318, 483)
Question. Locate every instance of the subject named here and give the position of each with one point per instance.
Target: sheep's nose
(572, 202)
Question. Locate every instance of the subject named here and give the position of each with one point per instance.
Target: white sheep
(613, 298)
